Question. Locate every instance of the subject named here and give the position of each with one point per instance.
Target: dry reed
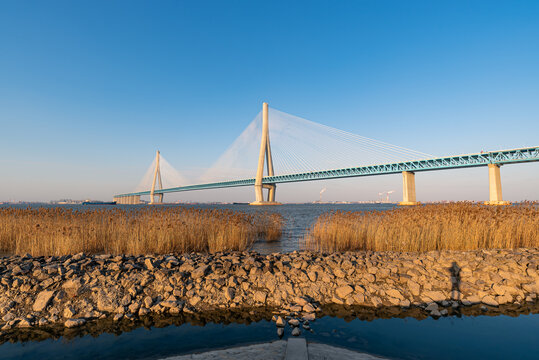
(454, 226)
(59, 231)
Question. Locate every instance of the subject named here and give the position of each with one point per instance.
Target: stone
(260, 296)
(279, 321)
(229, 293)
(489, 300)
(344, 291)
(149, 264)
(199, 271)
(71, 323)
(308, 308)
(280, 332)
(296, 331)
(42, 300)
(293, 322)
(69, 312)
(118, 317)
(395, 294)
(72, 287)
(437, 296)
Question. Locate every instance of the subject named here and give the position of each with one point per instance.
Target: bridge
(491, 159)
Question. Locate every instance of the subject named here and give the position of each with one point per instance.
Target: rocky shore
(296, 287)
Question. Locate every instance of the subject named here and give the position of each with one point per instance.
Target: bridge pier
(264, 156)
(127, 200)
(408, 188)
(495, 186)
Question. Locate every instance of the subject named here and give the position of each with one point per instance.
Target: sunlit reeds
(454, 226)
(59, 231)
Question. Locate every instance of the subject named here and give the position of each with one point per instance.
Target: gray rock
(296, 332)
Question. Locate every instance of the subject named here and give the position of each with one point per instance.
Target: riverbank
(73, 290)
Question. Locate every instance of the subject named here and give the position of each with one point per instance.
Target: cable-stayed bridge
(305, 151)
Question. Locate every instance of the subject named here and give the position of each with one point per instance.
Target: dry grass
(455, 226)
(58, 231)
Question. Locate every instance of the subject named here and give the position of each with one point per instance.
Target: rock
(72, 287)
(414, 288)
(293, 322)
(229, 293)
(432, 306)
(437, 296)
(344, 291)
(296, 332)
(118, 317)
(24, 323)
(395, 294)
(69, 312)
(71, 323)
(308, 308)
(260, 296)
(149, 264)
(489, 300)
(405, 303)
(42, 300)
(435, 313)
(309, 317)
(279, 321)
(199, 272)
(280, 332)
(148, 301)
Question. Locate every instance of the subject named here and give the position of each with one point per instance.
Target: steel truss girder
(499, 157)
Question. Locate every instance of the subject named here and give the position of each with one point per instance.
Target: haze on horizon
(89, 91)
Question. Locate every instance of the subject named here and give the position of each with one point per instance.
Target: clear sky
(90, 89)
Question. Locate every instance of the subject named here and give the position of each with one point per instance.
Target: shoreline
(71, 291)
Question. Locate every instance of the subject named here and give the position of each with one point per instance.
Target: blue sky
(90, 89)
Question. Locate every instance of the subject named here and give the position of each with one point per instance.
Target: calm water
(474, 337)
(481, 337)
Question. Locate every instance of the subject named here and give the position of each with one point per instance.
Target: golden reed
(453, 226)
(60, 231)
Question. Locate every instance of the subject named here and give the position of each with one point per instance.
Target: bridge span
(491, 159)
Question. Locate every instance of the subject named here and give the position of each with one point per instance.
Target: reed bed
(453, 226)
(60, 231)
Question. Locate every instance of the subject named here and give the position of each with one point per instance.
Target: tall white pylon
(264, 156)
(156, 177)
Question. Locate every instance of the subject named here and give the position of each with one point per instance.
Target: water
(474, 337)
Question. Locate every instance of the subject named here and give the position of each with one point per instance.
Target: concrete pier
(127, 200)
(264, 157)
(408, 188)
(495, 186)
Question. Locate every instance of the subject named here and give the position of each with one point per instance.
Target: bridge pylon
(156, 179)
(264, 157)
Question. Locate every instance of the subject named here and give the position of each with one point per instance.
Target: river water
(477, 336)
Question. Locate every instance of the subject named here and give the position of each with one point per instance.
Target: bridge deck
(499, 157)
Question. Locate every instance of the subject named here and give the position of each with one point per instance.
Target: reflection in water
(388, 331)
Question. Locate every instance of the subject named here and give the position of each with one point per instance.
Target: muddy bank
(39, 293)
